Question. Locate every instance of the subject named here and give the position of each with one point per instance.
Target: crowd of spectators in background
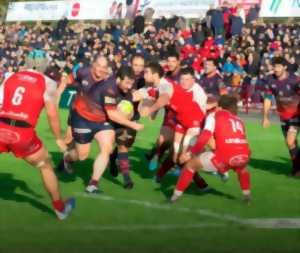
(242, 44)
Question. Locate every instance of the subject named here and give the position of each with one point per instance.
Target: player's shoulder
(293, 78)
(110, 86)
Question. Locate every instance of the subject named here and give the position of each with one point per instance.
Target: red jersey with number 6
(24, 95)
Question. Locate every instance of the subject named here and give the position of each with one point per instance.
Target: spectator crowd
(242, 45)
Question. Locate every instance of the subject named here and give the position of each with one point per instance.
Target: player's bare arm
(267, 107)
(116, 116)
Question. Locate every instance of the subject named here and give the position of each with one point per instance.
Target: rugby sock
(295, 156)
(94, 182)
(123, 163)
(184, 180)
(167, 165)
(113, 166)
(58, 205)
(161, 150)
(244, 178)
(199, 181)
(114, 155)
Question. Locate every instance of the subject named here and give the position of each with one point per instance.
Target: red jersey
(188, 112)
(24, 95)
(229, 133)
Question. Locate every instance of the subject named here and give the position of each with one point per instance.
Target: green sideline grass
(139, 220)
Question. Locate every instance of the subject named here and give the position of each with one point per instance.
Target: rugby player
(166, 136)
(212, 83)
(285, 87)
(231, 152)
(181, 104)
(138, 65)
(91, 118)
(24, 95)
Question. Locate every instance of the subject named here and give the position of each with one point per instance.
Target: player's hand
(137, 126)
(184, 157)
(61, 145)
(266, 123)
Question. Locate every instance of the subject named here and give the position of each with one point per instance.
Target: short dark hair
(138, 55)
(213, 60)
(187, 71)
(156, 68)
(228, 102)
(124, 72)
(279, 61)
(174, 54)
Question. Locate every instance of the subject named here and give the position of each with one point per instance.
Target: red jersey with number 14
(24, 95)
(229, 134)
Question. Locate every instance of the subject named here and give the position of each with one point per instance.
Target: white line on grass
(272, 223)
(119, 227)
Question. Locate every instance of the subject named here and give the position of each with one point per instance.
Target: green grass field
(139, 220)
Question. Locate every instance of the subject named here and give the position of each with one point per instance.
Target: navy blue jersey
(212, 86)
(286, 93)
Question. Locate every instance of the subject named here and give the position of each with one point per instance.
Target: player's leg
(125, 139)
(189, 140)
(290, 133)
(244, 179)
(83, 134)
(124, 165)
(42, 161)
(114, 171)
(291, 141)
(201, 162)
(105, 140)
(171, 160)
(164, 143)
(68, 137)
(179, 137)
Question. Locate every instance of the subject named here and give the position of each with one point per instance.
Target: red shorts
(212, 162)
(169, 120)
(22, 142)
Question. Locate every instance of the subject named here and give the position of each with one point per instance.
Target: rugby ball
(126, 108)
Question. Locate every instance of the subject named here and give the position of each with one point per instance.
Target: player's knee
(82, 156)
(107, 149)
(43, 163)
(291, 143)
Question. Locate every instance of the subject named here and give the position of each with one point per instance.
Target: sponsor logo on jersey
(8, 136)
(27, 78)
(110, 100)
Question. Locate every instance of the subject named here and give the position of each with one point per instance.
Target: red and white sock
(58, 205)
(184, 180)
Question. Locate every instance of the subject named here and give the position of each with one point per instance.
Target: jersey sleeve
(205, 135)
(200, 97)
(165, 88)
(50, 91)
(210, 123)
(110, 99)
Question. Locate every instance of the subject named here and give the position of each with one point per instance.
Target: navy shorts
(83, 130)
(292, 124)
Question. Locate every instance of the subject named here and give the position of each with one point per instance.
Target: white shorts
(206, 161)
